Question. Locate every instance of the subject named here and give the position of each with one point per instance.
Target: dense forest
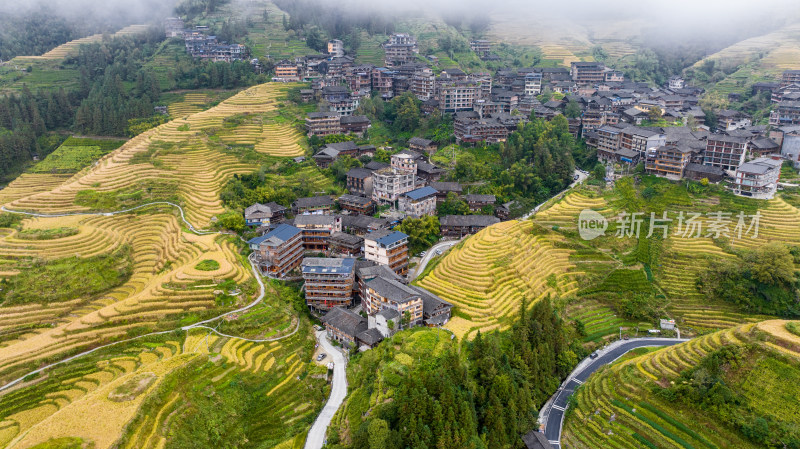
(486, 396)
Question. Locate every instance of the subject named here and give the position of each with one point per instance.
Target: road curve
(431, 254)
(316, 436)
(553, 412)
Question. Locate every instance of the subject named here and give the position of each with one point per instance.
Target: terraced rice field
(600, 321)
(780, 47)
(616, 408)
(486, 276)
(71, 47)
(164, 284)
(192, 103)
(197, 164)
(684, 258)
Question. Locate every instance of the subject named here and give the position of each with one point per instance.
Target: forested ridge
(484, 396)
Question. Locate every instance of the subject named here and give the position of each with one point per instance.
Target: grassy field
(628, 404)
(74, 154)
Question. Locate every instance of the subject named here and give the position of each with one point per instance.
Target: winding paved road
(316, 436)
(432, 253)
(553, 412)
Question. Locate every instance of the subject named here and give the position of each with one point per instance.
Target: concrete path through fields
(316, 436)
(431, 254)
(552, 414)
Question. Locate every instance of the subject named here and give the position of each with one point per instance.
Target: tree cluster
(485, 397)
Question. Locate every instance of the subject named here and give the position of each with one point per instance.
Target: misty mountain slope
(775, 51)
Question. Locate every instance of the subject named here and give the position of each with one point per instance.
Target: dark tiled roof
(355, 199)
(419, 141)
(476, 198)
(447, 186)
(346, 321)
(313, 201)
(347, 239)
(360, 173)
(370, 336)
(277, 236)
(536, 440)
(468, 220)
(393, 290)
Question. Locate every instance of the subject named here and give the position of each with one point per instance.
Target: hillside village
(330, 230)
(362, 284)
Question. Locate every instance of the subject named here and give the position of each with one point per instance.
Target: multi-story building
(488, 130)
(382, 82)
(667, 161)
(614, 76)
(757, 178)
(400, 49)
(675, 82)
(359, 181)
(445, 188)
(390, 294)
(355, 124)
(286, 71)
(359, 79)
(726, 152)
(341, 243)
(202, 46)
(640, 139)
(482, 47)
(280, 251)
(587, 72)
(423, 146)
(608, 140)
(419, 202)
(728, 120)
(476, 202)
(787, 112)
(533, 84)
(790, 77)
(336, 48)
(457, 95)
(317, 229)
(328, 282)
(357, 204)
(423, 84)
(391, 182)
(323, 124)
(388, 248)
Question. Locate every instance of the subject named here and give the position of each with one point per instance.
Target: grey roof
(305, 220)
(707, 169)
(367, 269)
(389, 313)
(359, 172)
(764, 143)
(760, 166)
(263, 210)
(354, 119)
(313, 201)
(726, 138)
(322, 114)
(419, 141)
(370, 336)
(343, 146)
(446, 186)
(422, 192)
(355, 199)
(282, 233)
(346, 321)
(393, 290)
(424, 167)
(348, 239)
(468, 220)
(323, 265)
(630, 154)
(430, 302)
(478, 198)
(375, 165)
(363, 221)
(536, 440)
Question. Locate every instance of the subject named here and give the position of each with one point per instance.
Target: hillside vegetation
(629, 282)
(706, 393)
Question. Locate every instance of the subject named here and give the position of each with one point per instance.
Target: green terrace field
(75, 154)
(608, 282)
(705, 393)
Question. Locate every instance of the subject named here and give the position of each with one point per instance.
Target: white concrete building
(757, 178)
(419, 202)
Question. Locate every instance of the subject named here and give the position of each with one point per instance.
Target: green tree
(599, 171)
(573, 109)
(654, 114)
(453, 205)
(341, 166)
(422, 232)
(231, 220)
(378, 434)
